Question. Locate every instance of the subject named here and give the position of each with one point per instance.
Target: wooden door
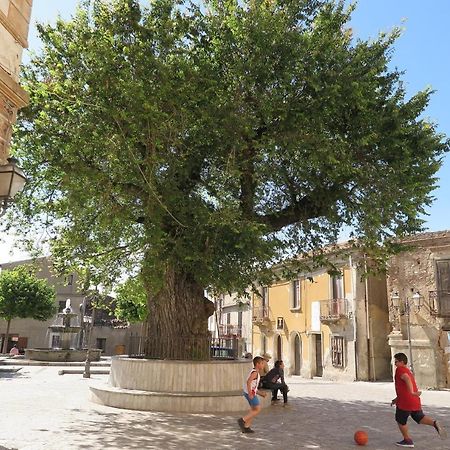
(279, 349)
(319, 366)
(443, 287)
(297, 355)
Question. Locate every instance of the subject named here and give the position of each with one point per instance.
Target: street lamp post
(12, 181)
(87, 365)
(396, 306)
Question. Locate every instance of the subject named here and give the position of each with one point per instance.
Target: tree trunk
(5, 341)
(177, 324)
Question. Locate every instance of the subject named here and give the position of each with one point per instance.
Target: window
(101, 344)
(56, 340)
(280, 323)
(443, 286)
(61, 305)
(265, 296)
(337, 351)
(296, 295)
(337, 286)
(69, 280)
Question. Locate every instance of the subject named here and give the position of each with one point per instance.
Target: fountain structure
(68, 328)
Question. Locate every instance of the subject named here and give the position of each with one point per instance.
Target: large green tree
(22, 295)
(199, 144)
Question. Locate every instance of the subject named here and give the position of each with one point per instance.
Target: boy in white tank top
(250, 391)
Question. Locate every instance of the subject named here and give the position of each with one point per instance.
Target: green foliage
(22, 295)
(218, 139)
(131, 301)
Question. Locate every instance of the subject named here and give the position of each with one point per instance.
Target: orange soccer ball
(361, 437)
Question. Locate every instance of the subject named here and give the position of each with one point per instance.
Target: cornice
(12, 90)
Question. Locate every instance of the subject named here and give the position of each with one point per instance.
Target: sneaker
(248, 430)
(440, 429)
(241, 424)
(275, 399)
(407, 443)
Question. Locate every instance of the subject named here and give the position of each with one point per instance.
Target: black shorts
(401, 416)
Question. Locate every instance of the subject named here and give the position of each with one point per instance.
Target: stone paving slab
(44, 411)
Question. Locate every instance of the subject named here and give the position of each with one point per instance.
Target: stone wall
(415, 271)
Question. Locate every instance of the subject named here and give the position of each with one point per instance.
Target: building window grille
(56, 341)
(337, 351)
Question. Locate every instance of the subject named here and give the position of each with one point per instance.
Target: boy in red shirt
(408, 402)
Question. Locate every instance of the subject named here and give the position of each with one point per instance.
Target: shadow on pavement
(306, 423)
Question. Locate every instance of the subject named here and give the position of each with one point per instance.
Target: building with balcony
(14, 24)
(322, 325)
(419, 278)
(108, 334)
(232, 320)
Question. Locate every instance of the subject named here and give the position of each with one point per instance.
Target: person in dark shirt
(274, 380)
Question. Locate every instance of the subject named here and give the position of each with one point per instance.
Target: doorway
(279, 348)
(318, 347)
(297, 355)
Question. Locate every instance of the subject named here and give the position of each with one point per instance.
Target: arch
(296, 353)
(278, 347)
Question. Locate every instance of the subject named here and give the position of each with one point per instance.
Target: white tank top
(254, 384)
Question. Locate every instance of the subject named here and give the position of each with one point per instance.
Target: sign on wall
(315, 316)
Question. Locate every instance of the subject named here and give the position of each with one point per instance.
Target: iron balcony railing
(334, 309)
(260, 313)
(182, 348)
(228, 330)
(440, 303)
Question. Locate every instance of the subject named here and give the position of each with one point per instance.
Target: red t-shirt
(405, 400)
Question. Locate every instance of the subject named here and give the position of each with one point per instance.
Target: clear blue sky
(422, 52)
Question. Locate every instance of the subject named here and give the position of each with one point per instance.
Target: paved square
(45, 411)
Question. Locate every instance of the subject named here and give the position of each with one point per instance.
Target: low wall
(175, 386)
(53, 355)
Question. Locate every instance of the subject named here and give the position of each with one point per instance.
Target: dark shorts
(401, 416)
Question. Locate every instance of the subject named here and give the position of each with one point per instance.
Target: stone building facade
(112, 338)
(419, 280)
(14, 24)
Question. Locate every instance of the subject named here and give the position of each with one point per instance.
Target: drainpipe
(350, 263)
(366, 306)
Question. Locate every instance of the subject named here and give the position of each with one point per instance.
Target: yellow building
(322, 325)
(14, 24)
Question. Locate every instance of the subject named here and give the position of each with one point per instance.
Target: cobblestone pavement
(44, 411)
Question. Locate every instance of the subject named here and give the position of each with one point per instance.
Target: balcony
(440, 303)
(334, 310)
(260, 316)
(229, 330)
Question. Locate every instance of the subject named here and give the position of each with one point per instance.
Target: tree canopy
(215, 139)
(23, 295)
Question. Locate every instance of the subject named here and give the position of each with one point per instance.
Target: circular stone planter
(59, 355)
(175, 386)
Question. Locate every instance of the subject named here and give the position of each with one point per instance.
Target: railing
(230, 330)
(334, 309)
(183, 348)
(439, 303)
(260, 313)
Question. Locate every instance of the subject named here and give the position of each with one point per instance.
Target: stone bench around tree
(176, 386)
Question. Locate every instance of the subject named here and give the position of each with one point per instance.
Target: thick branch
(315, 205)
